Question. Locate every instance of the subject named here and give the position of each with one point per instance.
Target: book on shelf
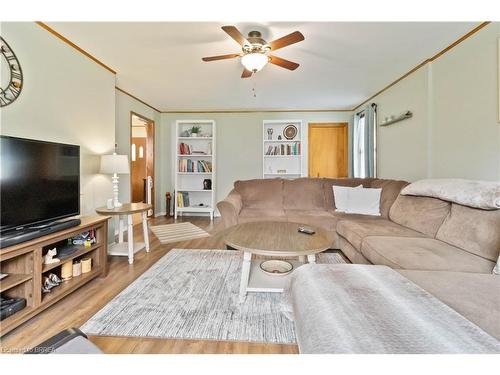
(182, 199)
(284, 149)
(190, 166)
(185, 149)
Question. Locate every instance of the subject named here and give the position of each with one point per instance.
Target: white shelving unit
(192, 182)
(287, 164)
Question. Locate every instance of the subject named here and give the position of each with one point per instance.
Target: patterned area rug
(169, 233)
(193, 294)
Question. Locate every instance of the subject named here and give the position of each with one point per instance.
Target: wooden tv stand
(24, 264)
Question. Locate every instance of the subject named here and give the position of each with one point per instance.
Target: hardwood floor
(78, 307)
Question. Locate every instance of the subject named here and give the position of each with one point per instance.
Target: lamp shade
(114, 164)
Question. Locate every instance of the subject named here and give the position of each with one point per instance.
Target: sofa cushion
(355, 231)
(422, 254)
(303, 194)
(261, 214)
(390, 191)
(261, 193)
(364, 201)
(351, 253)
(472, 295)
(474, 230)
(422, 214)
(329, 182)
(341, 196)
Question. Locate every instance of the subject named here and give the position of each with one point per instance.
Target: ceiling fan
(256, 51)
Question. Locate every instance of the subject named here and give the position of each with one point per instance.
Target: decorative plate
(276, 267)
(290, 131)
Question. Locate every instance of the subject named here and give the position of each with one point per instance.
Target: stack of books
(182, 199)
(185, 149)
(284, 149)
(188, 165)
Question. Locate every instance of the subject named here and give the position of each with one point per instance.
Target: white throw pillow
(496, 270)
(340, 194)
(364, 201)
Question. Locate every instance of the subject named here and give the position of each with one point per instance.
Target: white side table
(128, 248)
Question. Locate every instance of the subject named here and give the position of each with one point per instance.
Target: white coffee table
(272, 239)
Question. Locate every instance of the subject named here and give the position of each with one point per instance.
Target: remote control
(306, 230)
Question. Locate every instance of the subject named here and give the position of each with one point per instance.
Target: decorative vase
(194, 135)
(269, 134)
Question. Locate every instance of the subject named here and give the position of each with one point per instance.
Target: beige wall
(402, 151)
(66, 98)
(465, 137)
(455, 131)
(239, 143)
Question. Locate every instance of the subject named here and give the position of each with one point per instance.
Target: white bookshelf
(287, 164)
(191, 182)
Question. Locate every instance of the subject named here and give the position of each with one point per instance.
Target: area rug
(169, 233)
(193, 294)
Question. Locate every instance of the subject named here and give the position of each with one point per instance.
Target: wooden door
(328, 150)
(138, 171)
(137, 184)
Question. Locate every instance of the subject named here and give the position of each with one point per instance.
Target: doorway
(328, 149)
(142, 163)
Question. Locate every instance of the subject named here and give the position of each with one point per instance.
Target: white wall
(454, 132)
(125, 104)
(402, 150)
(466, 133)
(239, 143)
(66, 98)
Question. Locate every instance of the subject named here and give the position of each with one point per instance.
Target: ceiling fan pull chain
(254, 91)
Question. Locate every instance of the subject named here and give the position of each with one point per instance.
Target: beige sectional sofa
(448, 249)
(305, 200)
(412, 232)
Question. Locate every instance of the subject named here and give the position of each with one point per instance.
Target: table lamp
(115, 165)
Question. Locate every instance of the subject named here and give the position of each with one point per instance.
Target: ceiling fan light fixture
(254, 61)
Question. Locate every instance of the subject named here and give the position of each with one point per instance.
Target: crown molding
(423, 63)
(136, 98)
(70, 43)
(256, 111)
(426, 61)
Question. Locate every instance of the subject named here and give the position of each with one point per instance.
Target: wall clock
(11, 74)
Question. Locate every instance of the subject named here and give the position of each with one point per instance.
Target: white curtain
(364, 140)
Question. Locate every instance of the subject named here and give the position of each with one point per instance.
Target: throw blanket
(368, 309)
(477, 194)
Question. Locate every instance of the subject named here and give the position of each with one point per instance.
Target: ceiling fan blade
(290, 65)
(221, 57)
(246, 73)
(292, 38)
(234, 33)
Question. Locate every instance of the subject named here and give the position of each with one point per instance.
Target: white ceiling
(341, 63)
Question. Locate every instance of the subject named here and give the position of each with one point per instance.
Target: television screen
(39, 181)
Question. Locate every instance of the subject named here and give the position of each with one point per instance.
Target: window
(359, 148)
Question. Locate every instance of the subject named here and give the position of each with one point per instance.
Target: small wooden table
(273, 239)
(128, 248)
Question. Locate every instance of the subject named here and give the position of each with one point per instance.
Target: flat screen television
(39, 182)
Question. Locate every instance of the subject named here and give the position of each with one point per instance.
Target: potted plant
(195, 130)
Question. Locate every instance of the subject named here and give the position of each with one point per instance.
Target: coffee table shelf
(272, 239)
(259, 281)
